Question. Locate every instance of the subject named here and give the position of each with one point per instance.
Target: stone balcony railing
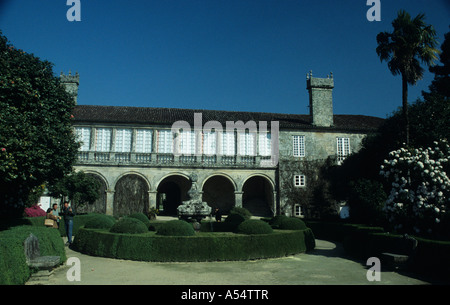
(160, 159)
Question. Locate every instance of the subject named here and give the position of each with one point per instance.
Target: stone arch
(257, 195)
(131, 194)
(99, 206)
(272, 183)
(219, 192)
(99, 175)
(171, 192)
(147, 182)
(172, 174)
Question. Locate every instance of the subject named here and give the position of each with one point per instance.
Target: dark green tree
(78, 187)
(37, 143)
(441, 83)
(411, 43)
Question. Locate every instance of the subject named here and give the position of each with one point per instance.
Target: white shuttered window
(209, 143)
(247, 144)
(103, 139)
(343, 149)
(123, 140)
(228, 147)
(265, 144)
(298, 146)
(83, 135)
(144, 140)
(165, 141)
(187, 142)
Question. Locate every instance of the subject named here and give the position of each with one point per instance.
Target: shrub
(176, 228)
(276, 221)
(34, 211)
(233, 221)
(201, 247)
(254, 226)
(129, 225)
(241, 211)
(366, 200)
(142, 217)
(13, 267)
(292, 223)
(100, 221)
(419, 197)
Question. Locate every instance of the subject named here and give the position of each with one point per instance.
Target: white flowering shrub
(419, 199)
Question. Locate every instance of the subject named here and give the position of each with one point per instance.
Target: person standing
(68, 215)
(56, 213)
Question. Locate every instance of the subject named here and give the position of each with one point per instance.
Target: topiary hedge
(241, 211)
(100, 221)
(201, 247)
(176, 228)
(276, 220)
(254, 226)
(129, 225)
(13, 267)
(292, 223)
(233, 221)
(142, 217)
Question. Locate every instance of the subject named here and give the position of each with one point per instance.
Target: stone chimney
(320, 99)
(71, 83)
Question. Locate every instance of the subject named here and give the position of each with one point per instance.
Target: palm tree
(411, 42)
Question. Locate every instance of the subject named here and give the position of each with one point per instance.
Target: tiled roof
(168, 116)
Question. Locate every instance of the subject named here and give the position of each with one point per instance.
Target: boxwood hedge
(13, 267)
(254, 226)
(129, 225)
(176, 228)
(204, 246)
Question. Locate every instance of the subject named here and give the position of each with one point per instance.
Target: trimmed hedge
(254, 226)
(276, 220)
(431, 257)
(13, 267)
(128, 225)
(241, 211)
(142, 217)
(176, 228)
(201, 247)
(233, 221)
(292, 223)
(100, 221)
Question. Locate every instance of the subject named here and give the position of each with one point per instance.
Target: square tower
(320, 99)
(71, 83)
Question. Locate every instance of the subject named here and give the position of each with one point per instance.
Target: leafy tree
(37, 144)
(78, 187)
(411, 42)
(441, 82)
(428, 124)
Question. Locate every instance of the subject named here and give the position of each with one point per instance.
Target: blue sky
(239, 55)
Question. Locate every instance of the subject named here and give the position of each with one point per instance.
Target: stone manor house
(141, 163)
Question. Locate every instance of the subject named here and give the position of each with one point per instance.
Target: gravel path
(326, 265)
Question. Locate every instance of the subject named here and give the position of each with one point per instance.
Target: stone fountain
(194, 208)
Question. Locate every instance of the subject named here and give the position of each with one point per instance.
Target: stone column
(152, 199)
(238, 198)
(274, 203)
(110, 202)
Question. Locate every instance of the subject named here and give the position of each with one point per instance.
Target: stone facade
(134, 180)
